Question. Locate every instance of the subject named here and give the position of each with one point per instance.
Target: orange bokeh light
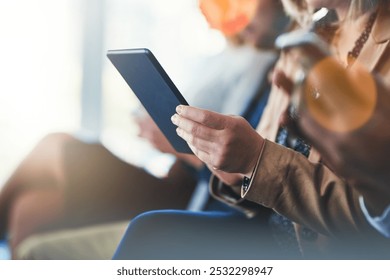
(228, 16)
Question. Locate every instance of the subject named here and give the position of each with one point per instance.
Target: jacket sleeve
(307, 193)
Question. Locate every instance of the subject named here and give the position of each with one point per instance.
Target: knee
(55, 140)
(33, 210)
(156, 218)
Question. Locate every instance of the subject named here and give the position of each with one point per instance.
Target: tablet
(153, 87)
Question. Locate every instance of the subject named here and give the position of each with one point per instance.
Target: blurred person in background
(317, 211)
(348, 122)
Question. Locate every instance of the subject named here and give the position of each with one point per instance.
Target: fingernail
(174, 118)
(179, 109)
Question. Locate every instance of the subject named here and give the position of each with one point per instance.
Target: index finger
(205, 117)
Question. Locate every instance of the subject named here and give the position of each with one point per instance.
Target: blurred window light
(40, 70)
(42, 66)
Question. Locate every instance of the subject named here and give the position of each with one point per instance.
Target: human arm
(347, 123)
(285, 181)
(308, 193)
(342, 111)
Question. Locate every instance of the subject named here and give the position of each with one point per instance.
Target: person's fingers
(197, 130)
(198, 143)
(205, 117)
(210, 159)
(202, 155)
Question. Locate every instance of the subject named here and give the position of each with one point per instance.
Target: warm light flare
(228, 16)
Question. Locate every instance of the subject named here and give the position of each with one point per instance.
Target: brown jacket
(306, 191)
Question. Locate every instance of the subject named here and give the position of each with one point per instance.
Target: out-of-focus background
(54, 74)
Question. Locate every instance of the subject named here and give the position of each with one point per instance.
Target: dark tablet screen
(153, 87)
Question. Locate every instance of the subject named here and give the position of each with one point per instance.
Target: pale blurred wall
(55, 76)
